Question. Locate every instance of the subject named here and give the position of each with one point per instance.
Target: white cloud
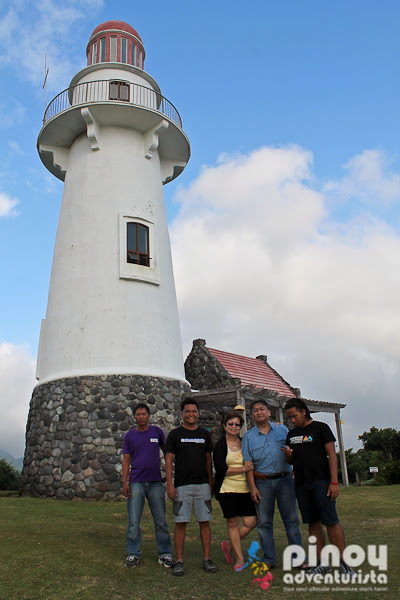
(44, 26)
(261, 268)
(17, 375)
(368, 179)
(7, 206)
(15, 148)
(40, 180)
(341, 372)
(12, 113)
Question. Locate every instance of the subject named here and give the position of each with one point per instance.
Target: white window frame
(113, 48)
(124, 49)
(130, 270)
(102, 54)
(94, 53)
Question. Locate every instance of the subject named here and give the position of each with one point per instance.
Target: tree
(391, 473)
(358, 464)
(9, 476)
(385, 441)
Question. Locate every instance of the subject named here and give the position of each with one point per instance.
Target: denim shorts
(314, 503)
(189, 496)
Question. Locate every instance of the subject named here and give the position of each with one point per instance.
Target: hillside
(17, 462)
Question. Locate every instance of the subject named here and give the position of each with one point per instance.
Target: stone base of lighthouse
(75, 430)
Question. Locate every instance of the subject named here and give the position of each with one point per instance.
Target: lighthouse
(111, 334)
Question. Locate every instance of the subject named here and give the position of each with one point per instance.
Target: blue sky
(291, 108)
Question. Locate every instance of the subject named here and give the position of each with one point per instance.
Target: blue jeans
(283, 490)
(155, 494)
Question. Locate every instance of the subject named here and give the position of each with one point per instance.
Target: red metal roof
(252, 371)
(120, 25)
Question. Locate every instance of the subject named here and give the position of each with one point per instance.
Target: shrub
(9, 476)
(391, 473)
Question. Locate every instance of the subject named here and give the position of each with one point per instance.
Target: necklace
(233, 445)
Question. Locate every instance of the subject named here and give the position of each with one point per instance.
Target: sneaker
(131, 561)
(345, 569)
(179, 569)
(209, 566)
(166, 561)
(320, 570)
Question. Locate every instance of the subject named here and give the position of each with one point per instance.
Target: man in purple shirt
(141, 450)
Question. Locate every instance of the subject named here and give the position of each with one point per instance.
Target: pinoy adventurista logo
(263, 574)
(373, 561)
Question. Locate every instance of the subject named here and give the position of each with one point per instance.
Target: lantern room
(115, 41)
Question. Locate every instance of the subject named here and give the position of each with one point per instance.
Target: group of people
(269, 464)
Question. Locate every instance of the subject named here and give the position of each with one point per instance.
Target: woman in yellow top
(232, 490)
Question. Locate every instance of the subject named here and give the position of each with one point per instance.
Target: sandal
(229, 559)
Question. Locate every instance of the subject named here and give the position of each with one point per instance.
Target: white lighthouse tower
(111, 334)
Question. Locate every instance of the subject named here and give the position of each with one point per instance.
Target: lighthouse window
(94, 53)
(140, 59)
(119, 90)
(113, 48)
(138, 244)
(134, 55)
(102, 49)
(124, 44)
(136, 241)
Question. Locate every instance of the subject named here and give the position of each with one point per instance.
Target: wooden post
(343, 464)
(280, 409)
(240, 400)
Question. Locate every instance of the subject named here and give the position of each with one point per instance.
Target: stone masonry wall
(75, 430)
(204, 371)
(211, 415)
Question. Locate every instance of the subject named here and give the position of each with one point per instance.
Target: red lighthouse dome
(115, 41)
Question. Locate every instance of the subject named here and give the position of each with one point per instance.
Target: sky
(285, 225)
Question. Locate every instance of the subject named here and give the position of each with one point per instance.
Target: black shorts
(314, 503)
(234, 504)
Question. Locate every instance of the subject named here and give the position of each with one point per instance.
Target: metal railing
(112, 90)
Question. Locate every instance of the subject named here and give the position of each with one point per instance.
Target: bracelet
(333, 483)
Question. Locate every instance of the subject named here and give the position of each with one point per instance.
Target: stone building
(220, 380)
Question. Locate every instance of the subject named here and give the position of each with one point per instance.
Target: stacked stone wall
(204, 371)
(76, 427)
(211, 415)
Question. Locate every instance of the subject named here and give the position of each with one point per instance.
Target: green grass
(76, 550)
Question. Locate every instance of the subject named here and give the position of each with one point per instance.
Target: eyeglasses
(232, 425)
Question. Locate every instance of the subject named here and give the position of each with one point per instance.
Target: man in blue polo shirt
(271, 479)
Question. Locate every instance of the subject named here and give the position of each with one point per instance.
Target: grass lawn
(52, 549)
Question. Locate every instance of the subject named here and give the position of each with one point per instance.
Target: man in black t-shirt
(190, 446)
(310, 448)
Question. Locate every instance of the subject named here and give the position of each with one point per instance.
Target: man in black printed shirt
(190, 446)
(310, 448)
